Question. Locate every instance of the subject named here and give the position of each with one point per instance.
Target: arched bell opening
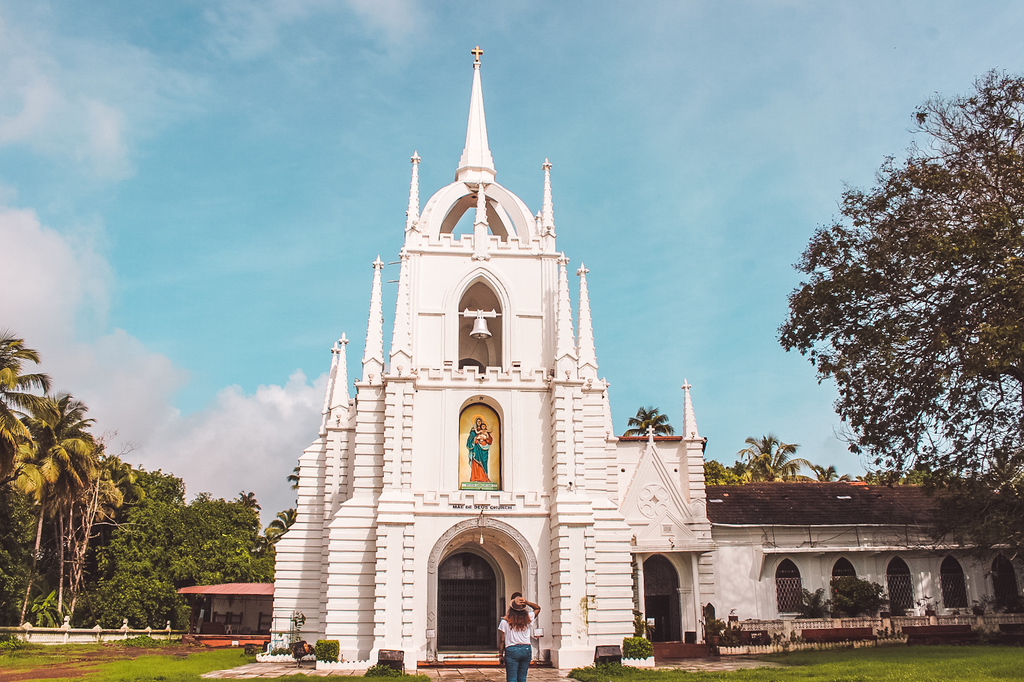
(480, 332)
(462, 215)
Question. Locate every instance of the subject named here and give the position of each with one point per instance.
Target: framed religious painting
(479, 448)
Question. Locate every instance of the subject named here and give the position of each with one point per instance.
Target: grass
(91, 662)
(883, 664)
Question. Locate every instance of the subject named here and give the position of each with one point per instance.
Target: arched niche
(504, 548)
(480, 446)
(480, 352)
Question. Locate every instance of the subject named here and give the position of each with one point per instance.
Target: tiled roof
(818, 504)
(266, 589)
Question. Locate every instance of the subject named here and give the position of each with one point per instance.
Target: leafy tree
(715, 473)
(852, 596)
(167, 544)
(293, 478)
(15, 400)
(913, 301)
(16, 530)
(772, 460)
(829, 474)
(649, 417)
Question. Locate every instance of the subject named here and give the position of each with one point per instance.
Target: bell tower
(476, 457)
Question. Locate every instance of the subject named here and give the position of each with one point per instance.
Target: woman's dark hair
(518, 619)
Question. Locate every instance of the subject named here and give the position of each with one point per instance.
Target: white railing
(95, 635)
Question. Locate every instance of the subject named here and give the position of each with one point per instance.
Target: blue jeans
(517, 662)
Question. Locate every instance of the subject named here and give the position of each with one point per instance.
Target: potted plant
(713, 629)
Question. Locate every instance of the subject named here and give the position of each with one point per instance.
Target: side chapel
(477, 458)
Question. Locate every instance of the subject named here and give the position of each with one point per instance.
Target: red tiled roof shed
(257, 589)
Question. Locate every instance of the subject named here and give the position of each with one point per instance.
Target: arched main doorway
(467, 604)
(661, 599)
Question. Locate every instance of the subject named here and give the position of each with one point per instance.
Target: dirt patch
(81, 663)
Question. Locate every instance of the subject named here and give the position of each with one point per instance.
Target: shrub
(141, 642)
(814, 604)
(852, 596)
(327, 650)
(381, 670)
(9, 642)
(636, 647)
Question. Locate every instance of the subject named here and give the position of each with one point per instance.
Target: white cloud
(248, 29)
(51, 282)
(85, 101)
(243, 442)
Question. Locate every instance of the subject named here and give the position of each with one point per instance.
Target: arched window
(843, 569)
(954, 589)
(900, 585)
(1004, 583)
(788, 588)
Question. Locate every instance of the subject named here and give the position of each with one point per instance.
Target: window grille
(1004, 583)
(954, 589)
(901, 586)
(788, 588)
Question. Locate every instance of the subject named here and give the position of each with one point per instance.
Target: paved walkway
(490, 674)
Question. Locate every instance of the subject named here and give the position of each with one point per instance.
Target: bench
(1011, 633)
(838, 634)
(939, 634)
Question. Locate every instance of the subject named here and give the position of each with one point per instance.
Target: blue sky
(191, 193)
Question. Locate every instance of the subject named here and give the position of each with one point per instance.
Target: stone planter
(639, 662)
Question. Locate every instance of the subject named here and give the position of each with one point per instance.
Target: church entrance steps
(664, 650)
(471, 659)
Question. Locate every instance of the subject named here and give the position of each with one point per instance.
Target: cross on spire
(476, 52)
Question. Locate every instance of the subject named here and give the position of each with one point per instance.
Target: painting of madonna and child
(479, 448)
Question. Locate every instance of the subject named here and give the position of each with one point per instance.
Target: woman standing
(514, 649)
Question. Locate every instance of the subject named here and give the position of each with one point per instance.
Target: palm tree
(649, 417)
(828, 475)
(248, 500)
(15, 401)
(293, 478)
(280, 525)
(59, 469)
(772, 460)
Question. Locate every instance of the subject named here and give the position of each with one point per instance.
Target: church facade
(477, 458)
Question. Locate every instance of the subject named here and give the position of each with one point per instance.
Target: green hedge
(327, 650)
(636, 647)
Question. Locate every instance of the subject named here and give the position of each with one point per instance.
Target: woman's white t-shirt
(513, 637)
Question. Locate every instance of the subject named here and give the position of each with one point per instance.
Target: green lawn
(888, 664)
(99, 662)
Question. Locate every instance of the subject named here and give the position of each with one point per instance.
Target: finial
(547, 213)
(477, 53)
(415, 157)
(378, 264)
(476, 163)
(412, 214)
(582, 271)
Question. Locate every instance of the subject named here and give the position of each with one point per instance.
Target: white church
(477, 458)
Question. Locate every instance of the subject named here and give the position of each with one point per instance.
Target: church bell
(480, 330)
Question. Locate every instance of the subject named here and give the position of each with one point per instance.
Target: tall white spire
(401, 340)
(373, 356)
(476, 164)
(565, 346)
(689, 418)
(587, 354)
(412, 215)
(547, 213)
(336, 396)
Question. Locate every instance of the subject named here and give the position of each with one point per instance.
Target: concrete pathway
(490, 674)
